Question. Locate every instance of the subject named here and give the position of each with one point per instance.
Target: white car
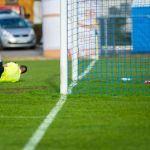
(15, 32)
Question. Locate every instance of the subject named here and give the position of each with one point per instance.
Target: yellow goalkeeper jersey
(11, 73)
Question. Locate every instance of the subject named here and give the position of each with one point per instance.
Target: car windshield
(7, 11)
(13, 23)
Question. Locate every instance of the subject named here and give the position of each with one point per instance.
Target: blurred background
(22, 24)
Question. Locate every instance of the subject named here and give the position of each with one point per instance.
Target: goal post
(81, 29)
(74, 57)
(102, 50)
(64, 50)
(79, 37)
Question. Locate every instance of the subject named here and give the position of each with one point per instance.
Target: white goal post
(76, 27)
(64, 50)
(99, 47)
(64, 46)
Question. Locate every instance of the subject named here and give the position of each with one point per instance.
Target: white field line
(41, 130)
(89, 67)
(39, 133)
(87, 70)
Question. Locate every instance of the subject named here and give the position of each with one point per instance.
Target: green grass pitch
(84, 123)
(105, 77)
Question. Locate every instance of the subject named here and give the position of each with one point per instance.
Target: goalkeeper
(11, 71)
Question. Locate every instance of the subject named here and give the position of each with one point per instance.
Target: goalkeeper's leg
(1, 66)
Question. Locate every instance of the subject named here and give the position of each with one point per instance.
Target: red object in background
(18, 9)
(147, 82)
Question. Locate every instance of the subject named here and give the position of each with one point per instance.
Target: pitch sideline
(41, 130)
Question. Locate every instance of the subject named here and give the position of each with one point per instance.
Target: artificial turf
(100, 123)
(85, 122)
(115, 75)
(23, 105)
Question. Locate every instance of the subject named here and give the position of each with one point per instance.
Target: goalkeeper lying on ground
(11, 72)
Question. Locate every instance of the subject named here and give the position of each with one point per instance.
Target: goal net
(107, 47)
